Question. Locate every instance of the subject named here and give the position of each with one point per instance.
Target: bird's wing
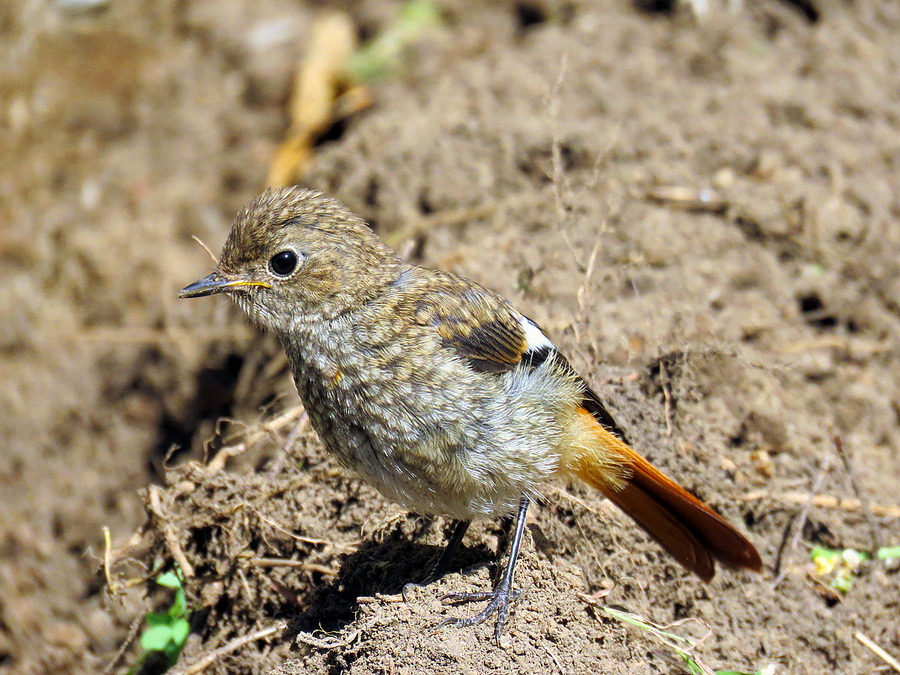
(484, 329)
(477, 324)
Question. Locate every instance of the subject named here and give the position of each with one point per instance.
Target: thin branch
(887, 658)
(821, 501)
(133, 631)
(845, 458)
(785, 553)
(171, 540)
(232, 646)
(287, 562)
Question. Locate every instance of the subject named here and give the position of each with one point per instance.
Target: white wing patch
(535, 337)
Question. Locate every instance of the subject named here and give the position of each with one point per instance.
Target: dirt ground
(702, 212)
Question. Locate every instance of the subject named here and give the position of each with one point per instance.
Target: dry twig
(232, 646)
(217, 463)
(784, 553)
(821, 501)
(870, 519)
(133, 631)
(332, 642)
(287, 562)
(887, 658)
(205, 248)
(171, 540)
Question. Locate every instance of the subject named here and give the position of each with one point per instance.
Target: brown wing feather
(494, 341)
(478, 324)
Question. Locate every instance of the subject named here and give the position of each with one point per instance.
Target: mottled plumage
(435, 389)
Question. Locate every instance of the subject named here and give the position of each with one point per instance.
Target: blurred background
(698, 200)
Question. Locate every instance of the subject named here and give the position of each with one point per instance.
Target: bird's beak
(216, 283)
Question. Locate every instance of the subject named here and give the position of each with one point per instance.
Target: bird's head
(296, 253)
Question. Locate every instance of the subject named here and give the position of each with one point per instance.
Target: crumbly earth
(702, 212)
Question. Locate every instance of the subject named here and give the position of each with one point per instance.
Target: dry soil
(701, 211)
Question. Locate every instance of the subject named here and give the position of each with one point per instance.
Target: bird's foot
(500, 602)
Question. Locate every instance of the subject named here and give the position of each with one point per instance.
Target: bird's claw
(501, 600)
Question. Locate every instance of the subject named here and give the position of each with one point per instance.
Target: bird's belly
(431, 452)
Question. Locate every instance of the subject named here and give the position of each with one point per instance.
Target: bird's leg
(443, 563)
(503, 594)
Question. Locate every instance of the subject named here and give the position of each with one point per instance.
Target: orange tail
(687, 528)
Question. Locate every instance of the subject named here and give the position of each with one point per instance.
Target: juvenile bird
(436, 391)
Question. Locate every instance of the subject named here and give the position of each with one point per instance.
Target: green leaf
(156, 638)
(888, 552)
(169, 580)
(692, 665)
(842, 583)
(180, 631)
(179, 605)
(157, 619)
(172, 653)
(826, 553)
(378, 57)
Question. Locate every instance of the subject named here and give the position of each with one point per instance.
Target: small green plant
(166, 632)
(842, 564)
(382, 54)
(681, 645)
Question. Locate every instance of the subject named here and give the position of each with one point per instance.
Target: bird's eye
(283, 263)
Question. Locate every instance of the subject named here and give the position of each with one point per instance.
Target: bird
(437, 392)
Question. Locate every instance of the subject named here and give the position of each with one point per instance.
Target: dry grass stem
(205, 248)
(784, 553)
(867, 511)
(821, 501)
(250, 438)
(232, 646)
(881, 653)
(171, 540)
